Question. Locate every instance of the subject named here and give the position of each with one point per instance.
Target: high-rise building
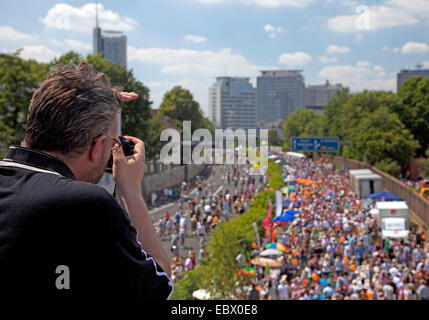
(406, 74)
(214, 95)
(112, 44)
(279, 93)
(317, 96)
(232, 103)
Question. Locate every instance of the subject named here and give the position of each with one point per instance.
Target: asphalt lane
(190, 241)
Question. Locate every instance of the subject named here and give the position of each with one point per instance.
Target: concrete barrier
(156, 181)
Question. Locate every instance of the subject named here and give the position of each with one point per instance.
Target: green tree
(19, 79)
(358, 106)
(179, 105)
(71, 58)
(274, 138)
(414, 111)
(153, 144)
(380, 137)
(301, 123)
(191, 281)
(424, 165)
(331, 118)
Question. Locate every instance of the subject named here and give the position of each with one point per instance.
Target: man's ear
(96, 149)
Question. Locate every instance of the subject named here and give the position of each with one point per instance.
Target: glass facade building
(279, 93)
(232, 103)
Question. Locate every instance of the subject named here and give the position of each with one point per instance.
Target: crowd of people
(332, 249)
(203, 213)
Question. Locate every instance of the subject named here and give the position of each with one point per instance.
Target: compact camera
(127, 147)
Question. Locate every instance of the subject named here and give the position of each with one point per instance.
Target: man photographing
(62, 236)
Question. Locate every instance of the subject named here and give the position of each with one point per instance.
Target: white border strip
(159, 274)
(23, 166)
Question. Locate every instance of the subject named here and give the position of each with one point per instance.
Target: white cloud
(196, 63)
(391, 14)
(296, 59)
(419, 8)
(195, 68)
(415, 47)
(332, 49)
(265, 3)
(64, 16)
(273, 31)
(358, 77)
(195, 39)
(363, 64)
(326, 60)
(425, 64)
(73, 45)
(39, 53)
(347, 3)
(10, 34)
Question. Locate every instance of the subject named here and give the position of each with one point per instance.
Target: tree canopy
(179, 105)
(370, 121)
(18, 81)
(414, 110)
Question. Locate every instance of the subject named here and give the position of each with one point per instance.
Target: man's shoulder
(80, 199)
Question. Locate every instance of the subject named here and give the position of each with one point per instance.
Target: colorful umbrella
(276, 245)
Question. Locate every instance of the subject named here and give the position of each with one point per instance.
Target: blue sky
(361, 44)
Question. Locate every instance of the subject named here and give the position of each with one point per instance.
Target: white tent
(201, 294)
(271, 252)
(295, 155)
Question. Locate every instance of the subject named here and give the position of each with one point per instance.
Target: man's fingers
(129, 96)
(118, 153)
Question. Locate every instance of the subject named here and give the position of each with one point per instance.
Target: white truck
(393, 219)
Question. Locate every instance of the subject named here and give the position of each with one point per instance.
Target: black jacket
(48, 219)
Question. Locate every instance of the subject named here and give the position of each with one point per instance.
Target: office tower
(112, 44)
(115, 47)
(232, 103)
(317, 96)
(279, 93)
(213, 98)
(406, 74)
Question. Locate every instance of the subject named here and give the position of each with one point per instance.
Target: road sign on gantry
(319, 144)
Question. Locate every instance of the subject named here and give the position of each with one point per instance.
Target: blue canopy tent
(385, 195)
(284, 218)
(292, 212)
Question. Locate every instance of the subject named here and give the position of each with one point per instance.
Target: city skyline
(191, 42)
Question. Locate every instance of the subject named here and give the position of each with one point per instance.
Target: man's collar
(38, 159)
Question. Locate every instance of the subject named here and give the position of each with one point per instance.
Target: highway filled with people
(324, 243)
